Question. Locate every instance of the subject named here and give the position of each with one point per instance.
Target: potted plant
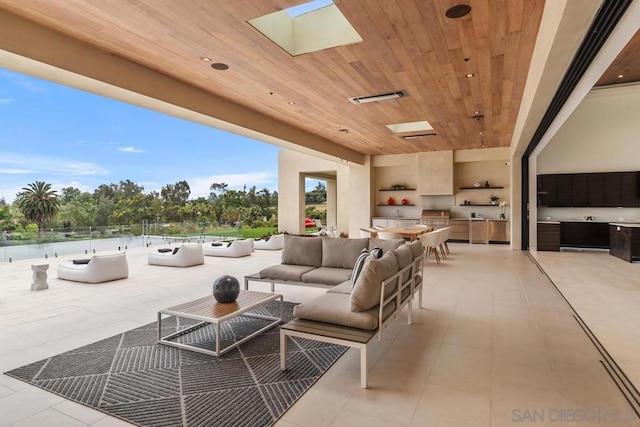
(503, 207)
(494, 199)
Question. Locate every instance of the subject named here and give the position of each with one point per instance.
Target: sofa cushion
(302, 251)
(366, 291)
(343, 288)
(341, 252)
(334, 308)
(377, 252)
(405, 257)
(327, 275)
(416, 248)
(285, 272)
(359, 264)
(385, 244)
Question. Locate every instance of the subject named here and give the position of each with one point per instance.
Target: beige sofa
(352, 314)
(274, 243)
(101, 268)
(186, 255)
(318, 261)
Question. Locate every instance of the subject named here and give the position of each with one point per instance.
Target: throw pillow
(358, 266)
(164, 250)
(216, 244)
(175, 251)
(81, 261)
(376, 252)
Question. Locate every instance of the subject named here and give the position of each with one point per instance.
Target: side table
(39, 277)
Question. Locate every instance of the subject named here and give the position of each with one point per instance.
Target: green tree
(174, 196)
(39, 203)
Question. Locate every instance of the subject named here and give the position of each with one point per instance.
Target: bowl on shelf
(477, 185)
(405, 201)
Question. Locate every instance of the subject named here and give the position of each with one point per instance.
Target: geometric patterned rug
(131, 377)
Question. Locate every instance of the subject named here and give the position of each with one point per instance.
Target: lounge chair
(235, 249)
(274, 243)
(185, 255)
(99, 268)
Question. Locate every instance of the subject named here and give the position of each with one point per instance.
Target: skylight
(410, 127)
(305, 28)
(311, 6)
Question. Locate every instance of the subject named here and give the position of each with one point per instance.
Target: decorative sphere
(226, 289)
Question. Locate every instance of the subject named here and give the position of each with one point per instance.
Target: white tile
(79, 412)
(25, 403)
(49, 418)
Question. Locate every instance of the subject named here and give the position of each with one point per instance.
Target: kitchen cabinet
(549, 236)
(459, 230)
(563, 190)
(596, 193)
(497, 231)
(579, 190)
(584, 234)
(478, 231)
(435, 173)
(624, 241)
(605, 189)
(547, 193)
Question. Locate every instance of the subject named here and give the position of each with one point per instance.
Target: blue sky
(68, 137)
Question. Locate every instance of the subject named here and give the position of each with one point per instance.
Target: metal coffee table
(209, 311)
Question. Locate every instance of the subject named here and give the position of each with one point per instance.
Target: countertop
(626, 224)
(479, 219)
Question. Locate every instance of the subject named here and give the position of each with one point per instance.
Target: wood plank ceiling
(626, 67)
(408, 45)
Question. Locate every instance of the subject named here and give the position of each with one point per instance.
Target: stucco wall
(352, 191)
(600, 136)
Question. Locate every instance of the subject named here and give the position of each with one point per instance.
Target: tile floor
(495, 345)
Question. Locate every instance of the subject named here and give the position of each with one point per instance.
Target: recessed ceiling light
(206, 58)
(219, 66)
(620, 76)
(476, 112)
(458, 11)
(469, 75)
(292, 103)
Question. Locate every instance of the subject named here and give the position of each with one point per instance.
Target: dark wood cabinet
(606, 189)
(612, 189)
(548, 236)
(579, 190)
(624, 242)
(595, 183)
(584, 234)
(629, 189)
(563, 191)
(547, 194)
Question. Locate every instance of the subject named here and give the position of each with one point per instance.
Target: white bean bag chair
(185, 255)
(236, 249)
(274, 243)
(101, 268)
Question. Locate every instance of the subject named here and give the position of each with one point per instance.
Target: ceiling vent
(416, 136)
(376, 98)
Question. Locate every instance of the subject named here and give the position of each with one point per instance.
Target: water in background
(89, 246)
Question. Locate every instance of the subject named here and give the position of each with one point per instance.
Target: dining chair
(430, 242)
(445, 236)
(365, 232)
(379, 227)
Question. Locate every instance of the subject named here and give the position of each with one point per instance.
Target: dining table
(411, 232)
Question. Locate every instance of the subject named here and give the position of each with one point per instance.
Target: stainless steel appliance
(436, 218)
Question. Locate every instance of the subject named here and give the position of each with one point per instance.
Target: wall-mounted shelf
(393, 189)
(397, 205)
(478, 204)
(478, 188)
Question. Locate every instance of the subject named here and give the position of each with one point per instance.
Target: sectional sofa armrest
(391, 292)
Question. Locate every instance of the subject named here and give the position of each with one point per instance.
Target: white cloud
(21, 80)
(131, 149)
(40, 164)
(200, 185)
(14, 171)
(6, 101)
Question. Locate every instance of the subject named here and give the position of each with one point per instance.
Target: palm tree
(39, 203)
